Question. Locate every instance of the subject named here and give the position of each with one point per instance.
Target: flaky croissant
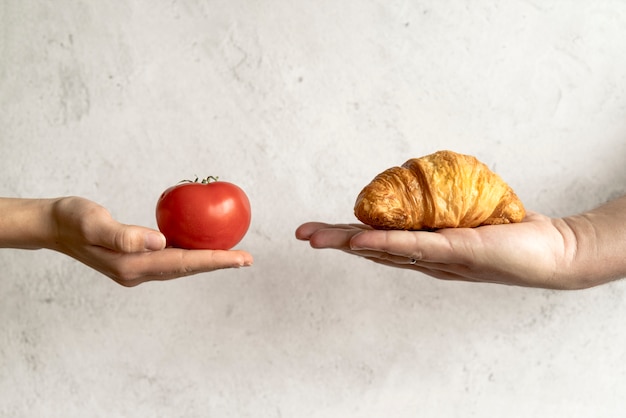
(441, 190)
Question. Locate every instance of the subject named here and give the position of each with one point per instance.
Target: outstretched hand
(536, 252)
(128, 254)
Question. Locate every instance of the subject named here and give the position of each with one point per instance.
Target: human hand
(537, 252)
(128, 254)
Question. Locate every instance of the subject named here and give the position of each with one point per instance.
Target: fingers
(436, 271)
(127, 238)
(444, 247)
(130, 239)
(307, 230)
(444, 254)
(385, 258)
(174, 260)
(336, 236)
(170, 263)
(362, 240)
(393, 246)
(100, 228)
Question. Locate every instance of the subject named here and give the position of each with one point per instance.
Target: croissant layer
(440, 190)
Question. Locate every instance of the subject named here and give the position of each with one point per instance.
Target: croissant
(441, 190)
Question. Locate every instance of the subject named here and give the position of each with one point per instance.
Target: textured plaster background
(302, 103)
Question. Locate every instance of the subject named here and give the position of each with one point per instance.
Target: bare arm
(84, 230)
(596, 241)
(574, 252)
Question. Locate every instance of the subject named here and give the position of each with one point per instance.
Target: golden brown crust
(440, 190)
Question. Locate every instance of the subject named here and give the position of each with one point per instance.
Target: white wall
(302, 103)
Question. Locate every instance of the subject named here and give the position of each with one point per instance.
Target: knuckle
(126, 283)
(126, 241)
(123, 274)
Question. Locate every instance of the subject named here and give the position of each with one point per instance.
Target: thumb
(132, 238)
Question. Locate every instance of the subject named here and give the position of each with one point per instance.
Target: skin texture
(84, 230)
(574, 252)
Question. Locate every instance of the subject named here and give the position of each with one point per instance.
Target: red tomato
(212, 215)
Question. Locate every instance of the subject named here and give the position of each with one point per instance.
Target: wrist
(27, 223)
(573, 269)
(594, 249)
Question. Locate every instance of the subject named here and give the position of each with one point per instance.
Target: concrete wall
(301, 103)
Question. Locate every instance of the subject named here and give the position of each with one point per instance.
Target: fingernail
(355, 246)
(154, 241)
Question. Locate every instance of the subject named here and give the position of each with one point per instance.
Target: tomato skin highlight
(213, 216)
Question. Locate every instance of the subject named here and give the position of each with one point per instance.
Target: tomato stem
(208, 179)
(204, 181)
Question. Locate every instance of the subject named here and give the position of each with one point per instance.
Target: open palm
(535, 252)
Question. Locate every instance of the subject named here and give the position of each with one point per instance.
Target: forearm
(26, 223)
(596, 241)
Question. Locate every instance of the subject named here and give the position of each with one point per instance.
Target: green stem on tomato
(207, 180)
